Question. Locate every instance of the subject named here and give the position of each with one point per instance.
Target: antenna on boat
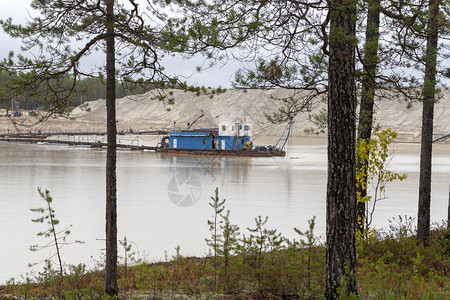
(285, 136)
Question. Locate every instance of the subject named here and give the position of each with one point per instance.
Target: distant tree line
(86, 89)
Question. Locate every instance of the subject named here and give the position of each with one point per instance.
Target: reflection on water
(163, 199)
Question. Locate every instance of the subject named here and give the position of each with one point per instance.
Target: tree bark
(423, 214)
(341, 191)
(365, 123)
(448, 209)
(111, 190)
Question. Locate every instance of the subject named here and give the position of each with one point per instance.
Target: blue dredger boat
(230, 138)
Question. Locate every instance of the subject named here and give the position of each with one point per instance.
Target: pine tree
(59, 36)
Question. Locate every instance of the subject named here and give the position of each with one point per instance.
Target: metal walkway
(92, 141)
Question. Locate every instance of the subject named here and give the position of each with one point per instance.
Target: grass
(390, 265)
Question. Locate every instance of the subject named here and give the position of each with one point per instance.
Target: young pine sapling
(228, 243)
(58, 237)
(309, 244)
(260, 241)
(214, 227)
(129, 255)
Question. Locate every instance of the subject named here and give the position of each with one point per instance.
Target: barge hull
(225, 152)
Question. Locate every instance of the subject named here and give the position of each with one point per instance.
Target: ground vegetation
(262, 264)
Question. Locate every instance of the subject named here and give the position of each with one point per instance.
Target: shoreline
(191, 277)
(60, 125)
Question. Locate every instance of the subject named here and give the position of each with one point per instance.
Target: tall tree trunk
(448, 209)
(341, 191)
(111, 190)
(429, 86)
(365, 123)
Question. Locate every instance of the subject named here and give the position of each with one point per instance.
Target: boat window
(246, 127)
(224, 127)
(232, 128)
(205, 141)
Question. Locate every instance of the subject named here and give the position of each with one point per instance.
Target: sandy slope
(143, 113)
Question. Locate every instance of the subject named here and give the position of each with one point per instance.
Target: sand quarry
(145, 113)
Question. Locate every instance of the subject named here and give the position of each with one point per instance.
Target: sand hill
(144, 113)
(141, 111)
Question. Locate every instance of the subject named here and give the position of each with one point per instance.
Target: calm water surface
(163, 200)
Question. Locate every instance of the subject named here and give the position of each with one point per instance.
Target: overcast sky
(217, 76)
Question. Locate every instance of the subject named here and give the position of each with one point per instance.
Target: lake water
(163, 200)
